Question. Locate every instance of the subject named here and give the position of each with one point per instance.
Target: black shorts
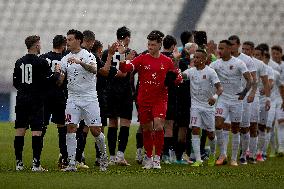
(103, 106)
(183, 106)
(29, 114)
(119, 106)
(54, 107)
(172, 104)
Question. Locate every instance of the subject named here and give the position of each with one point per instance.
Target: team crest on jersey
(204, 77)
(231, 67)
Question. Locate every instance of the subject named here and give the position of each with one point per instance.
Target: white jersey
(274, 65)
(270, 74)
(201, 86)
(275, 95)
(249, 63)
(230, 74)
(260, 71)
(81, 83)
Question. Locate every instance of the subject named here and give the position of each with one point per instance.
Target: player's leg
(195, 124)
(21, 124)
(139, 145)
(159, 114)
(112, 139)
(57, 109)
(126, 108)
(36, 125)
(280, 131)
(91, 115)
(72, 118)
(244, 128)
(271, 117)
(236, 117)
(168, 141)
(208, 118)
(146, 122)
(222, 111)
(226, 132)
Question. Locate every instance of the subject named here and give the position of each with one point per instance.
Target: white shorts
(228, 120)
(263, 114)
(224, 110)
(246, 114)
(254, 111)
(204, 119)
(279, 111)
(271, 115)
(89, 111)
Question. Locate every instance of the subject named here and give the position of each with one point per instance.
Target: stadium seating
(48, 18)
(258, 21)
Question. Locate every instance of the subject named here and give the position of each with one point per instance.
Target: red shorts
(147, 113)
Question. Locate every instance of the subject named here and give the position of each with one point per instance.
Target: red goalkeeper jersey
(151, 74)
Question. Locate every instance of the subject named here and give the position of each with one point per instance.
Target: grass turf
(269, 174)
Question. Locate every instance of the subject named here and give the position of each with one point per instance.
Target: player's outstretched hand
(211, 101)
(250, 98)
(120, 47)
(131, 55)
(267, 105)
(112, 48)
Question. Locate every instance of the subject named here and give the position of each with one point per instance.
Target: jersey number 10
(27, 73)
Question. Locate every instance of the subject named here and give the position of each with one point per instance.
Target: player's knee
(71, 128)
(195, 130)
(210, 135)
(20, 132)
(219, 122)
(96, 131)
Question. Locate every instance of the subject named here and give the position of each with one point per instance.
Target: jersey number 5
(27, 73)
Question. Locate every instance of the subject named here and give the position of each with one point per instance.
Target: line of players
(233, 88)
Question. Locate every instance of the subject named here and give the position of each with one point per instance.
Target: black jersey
(118, 85)
(31, 75)
(54, 58)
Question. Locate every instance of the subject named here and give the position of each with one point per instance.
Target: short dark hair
(200, 38)
(249, 43)
(77, 34)
(89, 35)
(155, 35)
(31, 40)
(202, 51)
(123, 32)
(169, 41)
(185, 36)
(96, 46)
(261, 49)
(277, 48)
(235, 38)
(227, 42)
(264, 46)
(58, 41)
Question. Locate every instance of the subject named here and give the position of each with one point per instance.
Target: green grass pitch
(269, 174)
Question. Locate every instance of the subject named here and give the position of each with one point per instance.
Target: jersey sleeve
(132, 65)
(63, 64)
(251, 65)
(187, 73)
(262, 71)
(17, 75)
(242, 67)
(214, 77)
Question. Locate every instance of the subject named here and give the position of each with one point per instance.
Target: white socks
(196, 146)
(71, 143)
(253, 146)
(244, 143)
(100, 140)
(220, 142)
(261, 141)
(235, 145)
(212, 144)
(280, 133)
(226, 140)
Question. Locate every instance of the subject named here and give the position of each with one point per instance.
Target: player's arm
(253, 87)
(130, 63)
(281, 91)
(17, 77)
(108, 69)
(266, 90)
(248, 79)
(91, 67)
(219, 90)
